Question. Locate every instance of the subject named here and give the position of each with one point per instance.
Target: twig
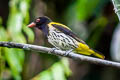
(61, 53)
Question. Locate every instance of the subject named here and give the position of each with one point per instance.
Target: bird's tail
(92, 52)
(97, 54)
(85, 50)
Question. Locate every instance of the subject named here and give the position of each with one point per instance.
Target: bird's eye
(37, 20)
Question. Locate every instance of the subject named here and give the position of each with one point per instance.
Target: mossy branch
(60, 53)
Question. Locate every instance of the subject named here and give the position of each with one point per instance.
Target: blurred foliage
(85, 8)
(59, 70)
(97, 29)
(82, 11)
(16, 24)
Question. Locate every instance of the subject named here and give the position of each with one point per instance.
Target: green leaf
(15, 23)
(66, 68)
(85, 8)
(45, 75)
(14, 62)
(29, 33)
(20, 55)
(18, 37)
(3, 34)
(58, 70)
(57, 67)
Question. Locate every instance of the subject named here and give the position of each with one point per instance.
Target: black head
(39, 22)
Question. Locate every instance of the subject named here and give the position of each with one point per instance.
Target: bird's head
(39, 22)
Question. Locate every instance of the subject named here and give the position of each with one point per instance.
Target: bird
(62, 37)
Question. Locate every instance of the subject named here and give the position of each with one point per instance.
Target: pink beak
(32, 24)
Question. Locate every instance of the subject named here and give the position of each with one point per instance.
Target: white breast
(61, 40)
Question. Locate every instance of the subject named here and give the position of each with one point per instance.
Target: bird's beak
(32, 24)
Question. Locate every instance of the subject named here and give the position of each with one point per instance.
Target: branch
(61, 53)
(116, 4)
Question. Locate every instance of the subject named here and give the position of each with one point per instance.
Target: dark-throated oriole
(62, 37)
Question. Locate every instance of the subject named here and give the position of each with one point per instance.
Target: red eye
(37, 20)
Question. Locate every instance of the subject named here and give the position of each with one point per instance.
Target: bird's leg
(53, 49)
(67, 52)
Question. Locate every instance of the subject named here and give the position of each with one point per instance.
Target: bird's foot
(53, 49)
(67, 52)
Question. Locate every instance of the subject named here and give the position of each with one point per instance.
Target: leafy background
(94, 21)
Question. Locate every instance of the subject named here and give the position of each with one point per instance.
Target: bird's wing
(66, 31)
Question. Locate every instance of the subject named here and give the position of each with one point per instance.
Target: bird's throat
(44, 29)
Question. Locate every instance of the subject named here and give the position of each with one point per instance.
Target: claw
(53, 49)
(67, 52)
